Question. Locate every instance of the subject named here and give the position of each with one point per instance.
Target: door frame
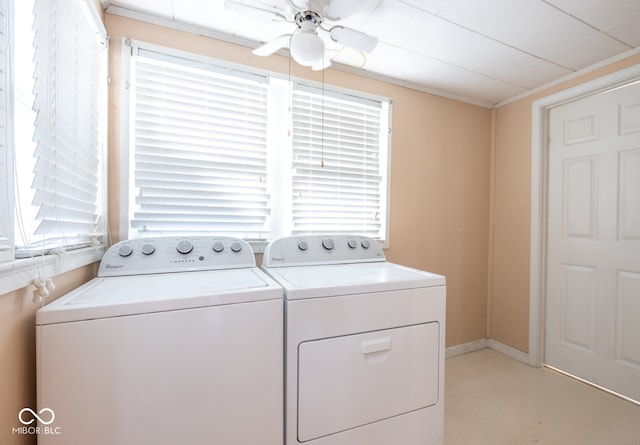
(539, 197)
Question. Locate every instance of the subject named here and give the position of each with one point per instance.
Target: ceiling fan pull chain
(322, 128)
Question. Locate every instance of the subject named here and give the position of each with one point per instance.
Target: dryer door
(350, 381)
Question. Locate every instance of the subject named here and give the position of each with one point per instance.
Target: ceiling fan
(305, 43)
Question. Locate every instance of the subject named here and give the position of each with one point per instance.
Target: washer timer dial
(328, 244)
(184, 246)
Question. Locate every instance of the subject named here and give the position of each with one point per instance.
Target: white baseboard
(483, 343)
(509, 351)
(464, 348)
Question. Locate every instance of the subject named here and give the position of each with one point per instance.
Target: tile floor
(492, 399)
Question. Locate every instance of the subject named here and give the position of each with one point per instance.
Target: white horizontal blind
(68, 104)
(337, 177)
(200, 149)
(6, 164)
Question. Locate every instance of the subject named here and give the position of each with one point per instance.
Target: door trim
(539, 180)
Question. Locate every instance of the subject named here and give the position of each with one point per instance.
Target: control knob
(236, 246)
(218, 246)
(328, 243)
(148, 249)
(365, 243)
(184, 246)
(303, 245)
(352, 243)
(125, 250)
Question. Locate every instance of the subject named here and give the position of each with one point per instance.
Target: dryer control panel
(321, 249)
(175, 254)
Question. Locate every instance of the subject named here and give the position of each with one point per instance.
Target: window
(200, 158)
(58, 125)
(337, 163)
(215, 148)
(56, 116)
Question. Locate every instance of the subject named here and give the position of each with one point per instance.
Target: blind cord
(322, 126)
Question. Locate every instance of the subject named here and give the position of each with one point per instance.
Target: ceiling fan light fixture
(306, 46)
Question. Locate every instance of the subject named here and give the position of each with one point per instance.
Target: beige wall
(440, 201)
(439, 198)
(509, 270)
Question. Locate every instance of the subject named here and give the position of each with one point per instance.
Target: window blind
(200, 149)
(337, 173)
(68, 90)
(6, 163)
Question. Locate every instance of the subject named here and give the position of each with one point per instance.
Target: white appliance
(364, 344)
(177, 341)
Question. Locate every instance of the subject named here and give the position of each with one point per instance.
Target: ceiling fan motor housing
(303, 17)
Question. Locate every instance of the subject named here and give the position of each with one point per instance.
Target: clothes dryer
(178, 340)
(364, 348)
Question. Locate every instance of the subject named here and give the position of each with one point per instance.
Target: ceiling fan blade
(272, 13)
(273, 46)
(299, 5)
(341, 9)
(353, 39)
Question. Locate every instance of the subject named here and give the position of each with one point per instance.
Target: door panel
(593, 240)
(578, 306)
(629, 211)
(628, 335)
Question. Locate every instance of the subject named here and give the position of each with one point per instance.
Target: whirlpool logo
(45, 416)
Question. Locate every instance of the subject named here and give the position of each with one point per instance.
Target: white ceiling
(484, 51)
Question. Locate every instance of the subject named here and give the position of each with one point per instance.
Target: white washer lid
(138, 294)
(346, 279)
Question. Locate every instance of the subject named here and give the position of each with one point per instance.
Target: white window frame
(19, 273)
(6, 130)
(279, 177)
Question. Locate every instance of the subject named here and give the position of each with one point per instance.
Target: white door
(593, 262)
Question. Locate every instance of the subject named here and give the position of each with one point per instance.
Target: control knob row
(184, 247)
(125, 250)
(329, 244)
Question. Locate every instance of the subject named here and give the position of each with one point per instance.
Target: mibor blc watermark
(45, 416)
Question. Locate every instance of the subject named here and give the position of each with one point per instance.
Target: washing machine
(177, 340)
(364, 343)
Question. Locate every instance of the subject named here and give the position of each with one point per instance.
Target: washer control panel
(321, 249)
(175, 254)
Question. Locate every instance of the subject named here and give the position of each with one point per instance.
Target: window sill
(17, 274)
